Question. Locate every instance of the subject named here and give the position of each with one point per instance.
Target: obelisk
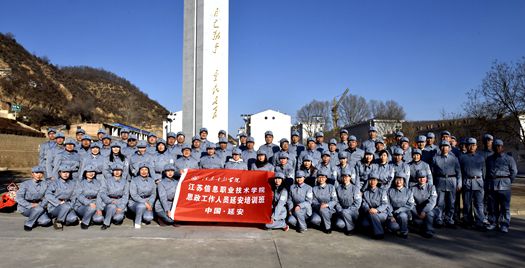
(205, 67)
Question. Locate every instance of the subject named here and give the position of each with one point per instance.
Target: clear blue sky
(423, 54)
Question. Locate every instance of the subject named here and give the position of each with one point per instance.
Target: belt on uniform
(35, 201)
(61, 199)
(91, 198)
(145, 196)
(446, 176)
(115, 196)
(502, 177)
(474, 177)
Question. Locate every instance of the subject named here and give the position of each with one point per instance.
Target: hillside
(50, 95)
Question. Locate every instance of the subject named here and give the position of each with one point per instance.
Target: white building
(279, 123)
(173, 123)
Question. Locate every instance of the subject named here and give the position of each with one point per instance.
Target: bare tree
(501, 94)
(314, 116)
(353, 109)
(386, 110)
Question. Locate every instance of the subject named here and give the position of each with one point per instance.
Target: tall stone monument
(205, 67)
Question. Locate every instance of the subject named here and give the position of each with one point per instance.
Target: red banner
(222, 195)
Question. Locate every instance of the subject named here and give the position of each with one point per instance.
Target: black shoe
(28, 228)
(378, 237)
(350, 233)
(104, 227)
(58, 225)
(427, 235)
(84, 226)
(404, 236)
(328, 231)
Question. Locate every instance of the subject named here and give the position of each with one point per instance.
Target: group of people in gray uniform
(336, 185)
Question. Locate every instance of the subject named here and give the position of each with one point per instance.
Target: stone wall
(19, 151)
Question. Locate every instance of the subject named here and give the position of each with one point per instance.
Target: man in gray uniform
(343, 144)
(325, 167)
(354, 154)
(45, 147)
(473, 173)
(68, 157)
(269, 147)
(124, 136)
(197, 150)
(222, 151)
(397, 143)
(299, 202)
(31, 201)
(285, 148)
(334, 155)
(488, 140)
(311, 151)
(249, 155)
(85, 146)
(139, 157)
(430, 146)
(78, 137)
(296, 146)
(223, 134)
(407, 150)
(371, 142)
(105, 150)
(319, 142)
(52, 152)
(131, 146)
(151, 149)
(402, 202)
(501, 172)
(171, 140)
(400, 167)
(203, 133)
(186, 160)
(447, 175)
(212, 160)
(243, 138)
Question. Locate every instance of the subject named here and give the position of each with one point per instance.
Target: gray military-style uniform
(166, 190)
(300, 195)
(419, 166)
(33, 192)
(142, 190)
(425, 198)
(473, 174)
(58, 191)
(323, 194)
(113, 195)
(402, 202)
(385, 173)
(375, 198)
(349, 201)
(211, 162)
(447, 178)
(279, 212)
(86, 193)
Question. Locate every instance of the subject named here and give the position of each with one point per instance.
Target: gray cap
(69, 141)
(373, 175)
(180, 133)
(101, 130)
(196, 138)
(498, 142)
(421, 138)
(380, 141)
(343, 131)
(132, 137)
(171, 135)
(333, 141)
(116, 166)
(295, 133)
(161, 140)
(416, 151)
(51, 130)
(86, 137)
(372, 128)
(186, 146)
(203, 129)
(124, 130)
(211, 145)
(369, 150)
(445, 132)
(142, 144)
(431, 135)
(106, 136)
(400, 174)
(79, 130)
(96, 144)
(115, 144)
(319, 134)
(223, 140)
(38, 169)
(322, 173)
(421, 173)
(250, 139)
(143, 165)
(444, 143)
(400, 134)
(310, 139)
(59, 135)
(342, 155)
(261, 151)
(284, 155)
(471, 141)
(346, 172)
(283, 140)
(405, 139)
(64, 167)
(488, 137)
(299, 174)
(151, 134)
(222, 131)
(169, 167)
(352, 138)
(236, 151)
(398, 151)
(279, 175)
(307, 158)
(90, 168)
(326, 152)
(243, 135)
(269, 132)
